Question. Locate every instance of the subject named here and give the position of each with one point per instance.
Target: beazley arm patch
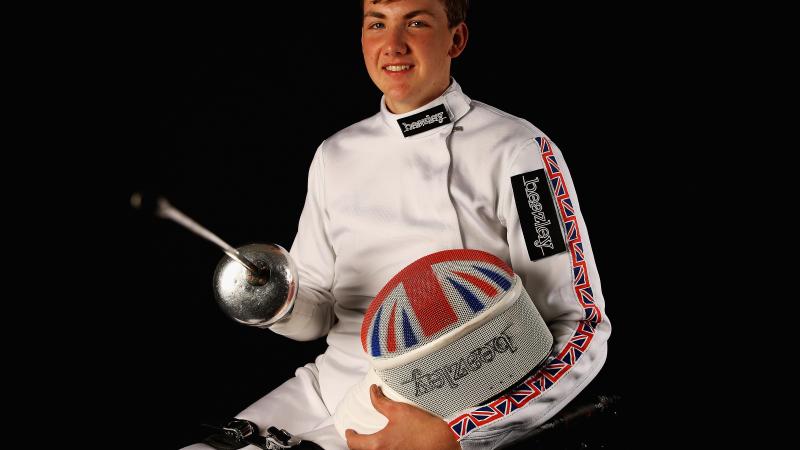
(537, 215)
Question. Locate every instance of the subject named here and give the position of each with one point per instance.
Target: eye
(376, 26)
(417, 24)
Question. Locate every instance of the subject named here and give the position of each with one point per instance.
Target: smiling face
(407, 48)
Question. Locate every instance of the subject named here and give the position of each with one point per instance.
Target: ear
(460, 35)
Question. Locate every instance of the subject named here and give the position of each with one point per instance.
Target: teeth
(397, 68)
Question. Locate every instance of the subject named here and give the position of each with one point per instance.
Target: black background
(222, 116)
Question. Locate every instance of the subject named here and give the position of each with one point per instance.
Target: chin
(399, 95)
(397, 90)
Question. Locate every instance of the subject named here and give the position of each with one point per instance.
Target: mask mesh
(480, 365)
(431, 297)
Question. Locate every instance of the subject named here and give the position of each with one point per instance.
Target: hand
(409, 427)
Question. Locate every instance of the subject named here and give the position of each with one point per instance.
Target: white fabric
(295, 406)
(356, 411)
(378, 201)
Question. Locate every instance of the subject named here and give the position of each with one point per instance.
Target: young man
(433, 170)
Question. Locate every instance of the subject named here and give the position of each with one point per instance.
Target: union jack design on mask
(430, 297)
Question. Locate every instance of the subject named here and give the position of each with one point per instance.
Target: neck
(399, 107)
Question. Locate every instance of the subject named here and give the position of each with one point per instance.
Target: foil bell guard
(257, 299)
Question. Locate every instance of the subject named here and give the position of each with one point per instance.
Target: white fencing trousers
(297, 407)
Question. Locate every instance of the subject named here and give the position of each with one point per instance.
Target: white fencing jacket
(393, 188)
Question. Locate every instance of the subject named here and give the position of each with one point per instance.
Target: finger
(358, 441)
(352, 438)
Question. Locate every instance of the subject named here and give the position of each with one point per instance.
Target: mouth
(398, 68)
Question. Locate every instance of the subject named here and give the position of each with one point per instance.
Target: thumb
(381, 402)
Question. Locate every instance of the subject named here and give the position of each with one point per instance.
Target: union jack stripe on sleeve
(566, 358)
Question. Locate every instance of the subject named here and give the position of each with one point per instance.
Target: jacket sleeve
(565, 286)
(312, 315)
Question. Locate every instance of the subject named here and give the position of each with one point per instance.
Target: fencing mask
(448, 332)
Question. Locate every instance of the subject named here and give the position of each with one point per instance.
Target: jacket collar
(433, 117)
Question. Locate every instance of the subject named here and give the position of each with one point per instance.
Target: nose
(395, 43)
